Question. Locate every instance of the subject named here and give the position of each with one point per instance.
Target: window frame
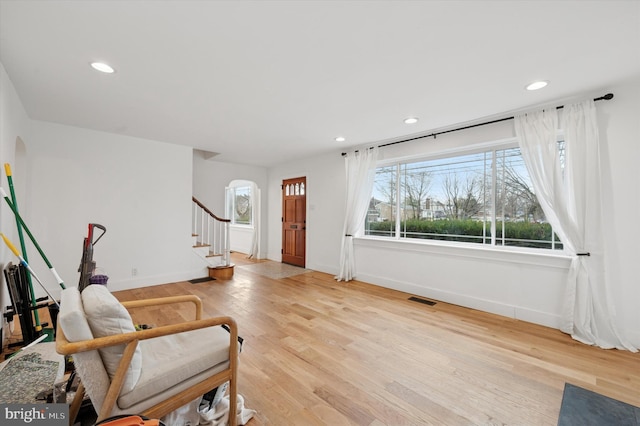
(483, 147)
(231, 204)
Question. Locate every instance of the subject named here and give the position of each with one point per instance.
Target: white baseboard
(327, 269)
(498, 308)
(139, 282)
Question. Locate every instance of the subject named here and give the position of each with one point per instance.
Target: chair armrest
(64, 347)
(165, 301)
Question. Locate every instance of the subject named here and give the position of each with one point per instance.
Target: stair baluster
(212, 232)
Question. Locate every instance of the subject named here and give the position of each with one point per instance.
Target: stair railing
(212, 231)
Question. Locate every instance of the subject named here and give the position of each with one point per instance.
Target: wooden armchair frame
(64, 347)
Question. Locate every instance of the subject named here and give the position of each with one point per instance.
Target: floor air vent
(201, 280)
(419, 300)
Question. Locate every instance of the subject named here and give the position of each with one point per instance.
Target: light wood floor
(321, 352)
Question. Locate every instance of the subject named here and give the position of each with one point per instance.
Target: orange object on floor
(131, 421)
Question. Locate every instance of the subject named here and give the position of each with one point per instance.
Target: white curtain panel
(256, 212)
(570, 199)
(360, 170)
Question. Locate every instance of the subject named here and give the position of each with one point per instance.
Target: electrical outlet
(134, 272)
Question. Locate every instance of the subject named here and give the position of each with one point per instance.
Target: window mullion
(503, 189)
(494, 190)
(397, 201)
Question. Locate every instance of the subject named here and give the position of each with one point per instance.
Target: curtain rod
(606, 97)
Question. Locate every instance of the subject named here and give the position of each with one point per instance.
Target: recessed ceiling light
(101, 66)
(537, 85)
(340, 139)
(411, 120)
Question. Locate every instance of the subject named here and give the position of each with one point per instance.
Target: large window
(482, 197)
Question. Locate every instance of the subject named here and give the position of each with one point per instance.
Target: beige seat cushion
(106, 317)
(172, 360)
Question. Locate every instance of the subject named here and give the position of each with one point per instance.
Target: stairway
(210, 241)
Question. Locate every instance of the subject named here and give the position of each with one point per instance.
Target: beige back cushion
(106, 317)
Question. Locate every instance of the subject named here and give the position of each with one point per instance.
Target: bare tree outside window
(416, 184)
(242, 205)
(463, 195)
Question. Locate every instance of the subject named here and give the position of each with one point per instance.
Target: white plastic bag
(218, 415)
(187, 415)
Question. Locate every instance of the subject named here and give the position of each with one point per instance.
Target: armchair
(149, 372)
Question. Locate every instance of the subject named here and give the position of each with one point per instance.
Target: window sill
(539, 257)
(236, 226)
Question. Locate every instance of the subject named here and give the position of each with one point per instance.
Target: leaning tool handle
(36, 316)
(26, 265)
(13, 248)
(33, 239)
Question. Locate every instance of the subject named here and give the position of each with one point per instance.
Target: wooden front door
(294, 220)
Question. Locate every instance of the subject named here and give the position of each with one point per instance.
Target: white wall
(619, 121)
(524, 286)
(241, 239)
(14, 123)
(140, 190)
(210, 178)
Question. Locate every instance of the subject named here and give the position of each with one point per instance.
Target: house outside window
(483, 197)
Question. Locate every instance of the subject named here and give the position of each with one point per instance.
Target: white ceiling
(263, 82)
